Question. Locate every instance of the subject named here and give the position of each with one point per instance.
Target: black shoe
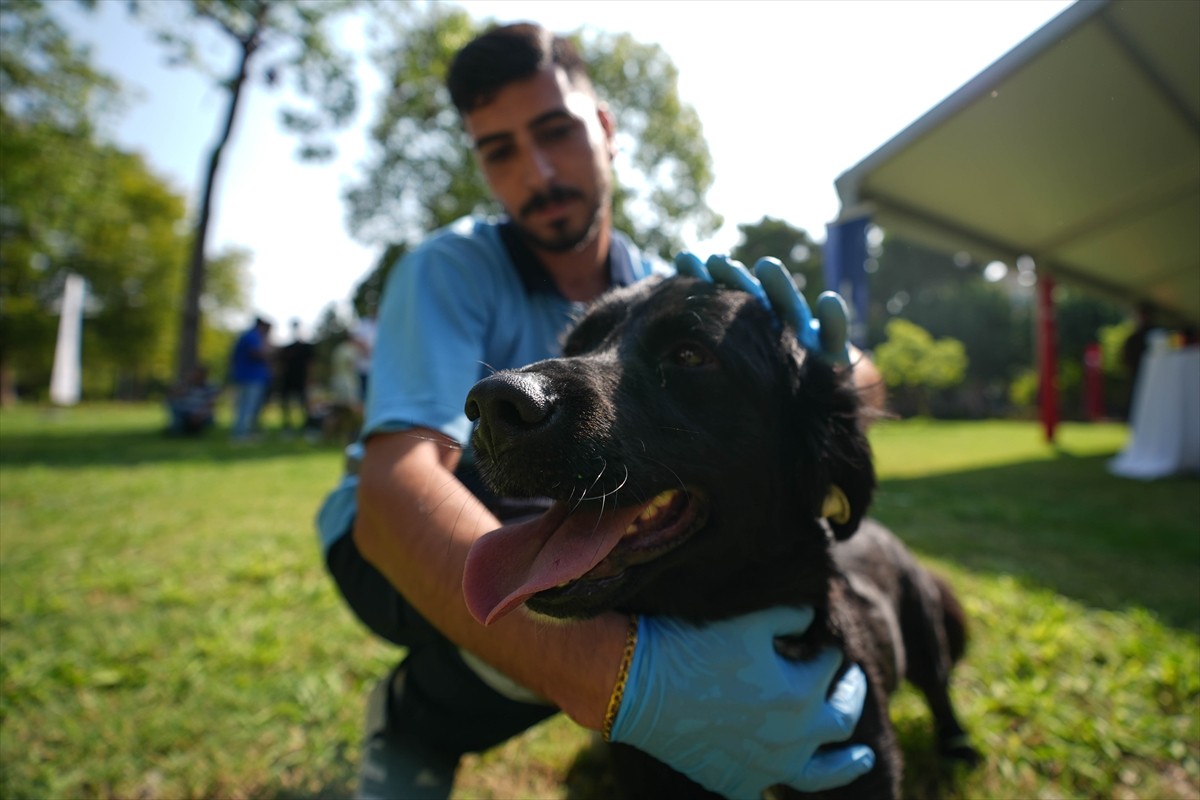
(396, 766)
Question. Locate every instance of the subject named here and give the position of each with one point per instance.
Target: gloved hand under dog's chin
(824, 333)
(720, 705)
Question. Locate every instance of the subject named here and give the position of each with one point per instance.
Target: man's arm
(416, 522)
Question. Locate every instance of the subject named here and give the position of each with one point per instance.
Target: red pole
(1047, 355)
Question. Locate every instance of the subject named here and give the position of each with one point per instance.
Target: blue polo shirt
(470, 300)
(247, 364)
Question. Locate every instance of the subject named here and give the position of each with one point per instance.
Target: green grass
(167, 628)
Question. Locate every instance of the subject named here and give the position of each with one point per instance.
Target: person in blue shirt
(488, 294)
(250, 372)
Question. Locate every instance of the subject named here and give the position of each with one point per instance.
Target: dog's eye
(690, 355)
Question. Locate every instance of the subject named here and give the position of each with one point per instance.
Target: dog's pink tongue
(511, 563)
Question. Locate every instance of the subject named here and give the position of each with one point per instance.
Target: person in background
(250, 372)
(345, 394)
(487, 294)
(363, 337)
(294, 360)
(191, 405)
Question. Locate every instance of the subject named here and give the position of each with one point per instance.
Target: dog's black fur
(679, 384)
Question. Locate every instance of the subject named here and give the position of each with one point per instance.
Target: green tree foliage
(664, 169)
(45, 79)
(50, 98)
(369, 292)
(914, 364)
(793, 246)
(332, 329)
(903, 274)
(421, 174)
(947, 296)
(995, 330)
(69, 202)
(224, 296)
(274, 40)
(1079, 318)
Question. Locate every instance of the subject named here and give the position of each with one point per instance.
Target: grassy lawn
(167, 628)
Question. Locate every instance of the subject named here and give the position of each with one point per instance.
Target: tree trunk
(8, 386)
(189, 334)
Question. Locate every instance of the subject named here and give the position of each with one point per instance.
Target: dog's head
(689, 445)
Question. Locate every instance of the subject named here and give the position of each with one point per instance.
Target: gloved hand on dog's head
(720, 705)
(823, 334)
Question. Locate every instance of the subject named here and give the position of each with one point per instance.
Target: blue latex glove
(823, 334)
(718, 704)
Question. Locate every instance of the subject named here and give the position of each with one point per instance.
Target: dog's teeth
(652, 509)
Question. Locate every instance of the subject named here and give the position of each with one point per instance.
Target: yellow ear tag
(836, 507)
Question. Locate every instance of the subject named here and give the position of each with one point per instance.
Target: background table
(1164, 423)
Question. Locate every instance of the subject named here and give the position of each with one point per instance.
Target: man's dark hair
(506, 54)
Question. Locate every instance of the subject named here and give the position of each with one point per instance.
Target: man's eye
(555, 133)
(496, 155)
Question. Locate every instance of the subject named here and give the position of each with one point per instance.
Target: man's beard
(564, 238)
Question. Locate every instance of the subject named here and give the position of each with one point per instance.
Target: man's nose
(539, 169)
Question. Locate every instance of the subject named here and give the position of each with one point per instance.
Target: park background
(166, 628)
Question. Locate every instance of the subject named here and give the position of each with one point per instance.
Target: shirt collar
(533, 275)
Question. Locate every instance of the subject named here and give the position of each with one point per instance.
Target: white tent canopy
(1080, 148)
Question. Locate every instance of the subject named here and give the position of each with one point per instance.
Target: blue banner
(845, 257)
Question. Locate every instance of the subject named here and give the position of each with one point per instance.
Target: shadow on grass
(62, 449)
(340, 789)
(926, 774)
(590, 776)
(1064, 524)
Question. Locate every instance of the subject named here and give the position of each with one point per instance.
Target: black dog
(691, 448)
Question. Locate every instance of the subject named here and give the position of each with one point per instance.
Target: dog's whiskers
(576, 503)
(669, 469)
(689, 431)
(440, 441)
(584, 495)
(620, 485)
(449, 482)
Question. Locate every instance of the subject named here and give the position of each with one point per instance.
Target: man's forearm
(416, 522)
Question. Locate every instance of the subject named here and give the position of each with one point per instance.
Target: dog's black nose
(508, 404)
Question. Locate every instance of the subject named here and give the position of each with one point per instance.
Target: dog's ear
(849, 467)
(827, 413)
(836, 475)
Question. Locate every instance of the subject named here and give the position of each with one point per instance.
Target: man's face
(545, 149)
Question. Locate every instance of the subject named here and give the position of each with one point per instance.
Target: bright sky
(791, 93)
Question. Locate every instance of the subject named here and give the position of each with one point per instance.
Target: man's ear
(609, 124)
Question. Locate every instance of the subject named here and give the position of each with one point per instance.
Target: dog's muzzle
(508, 405)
